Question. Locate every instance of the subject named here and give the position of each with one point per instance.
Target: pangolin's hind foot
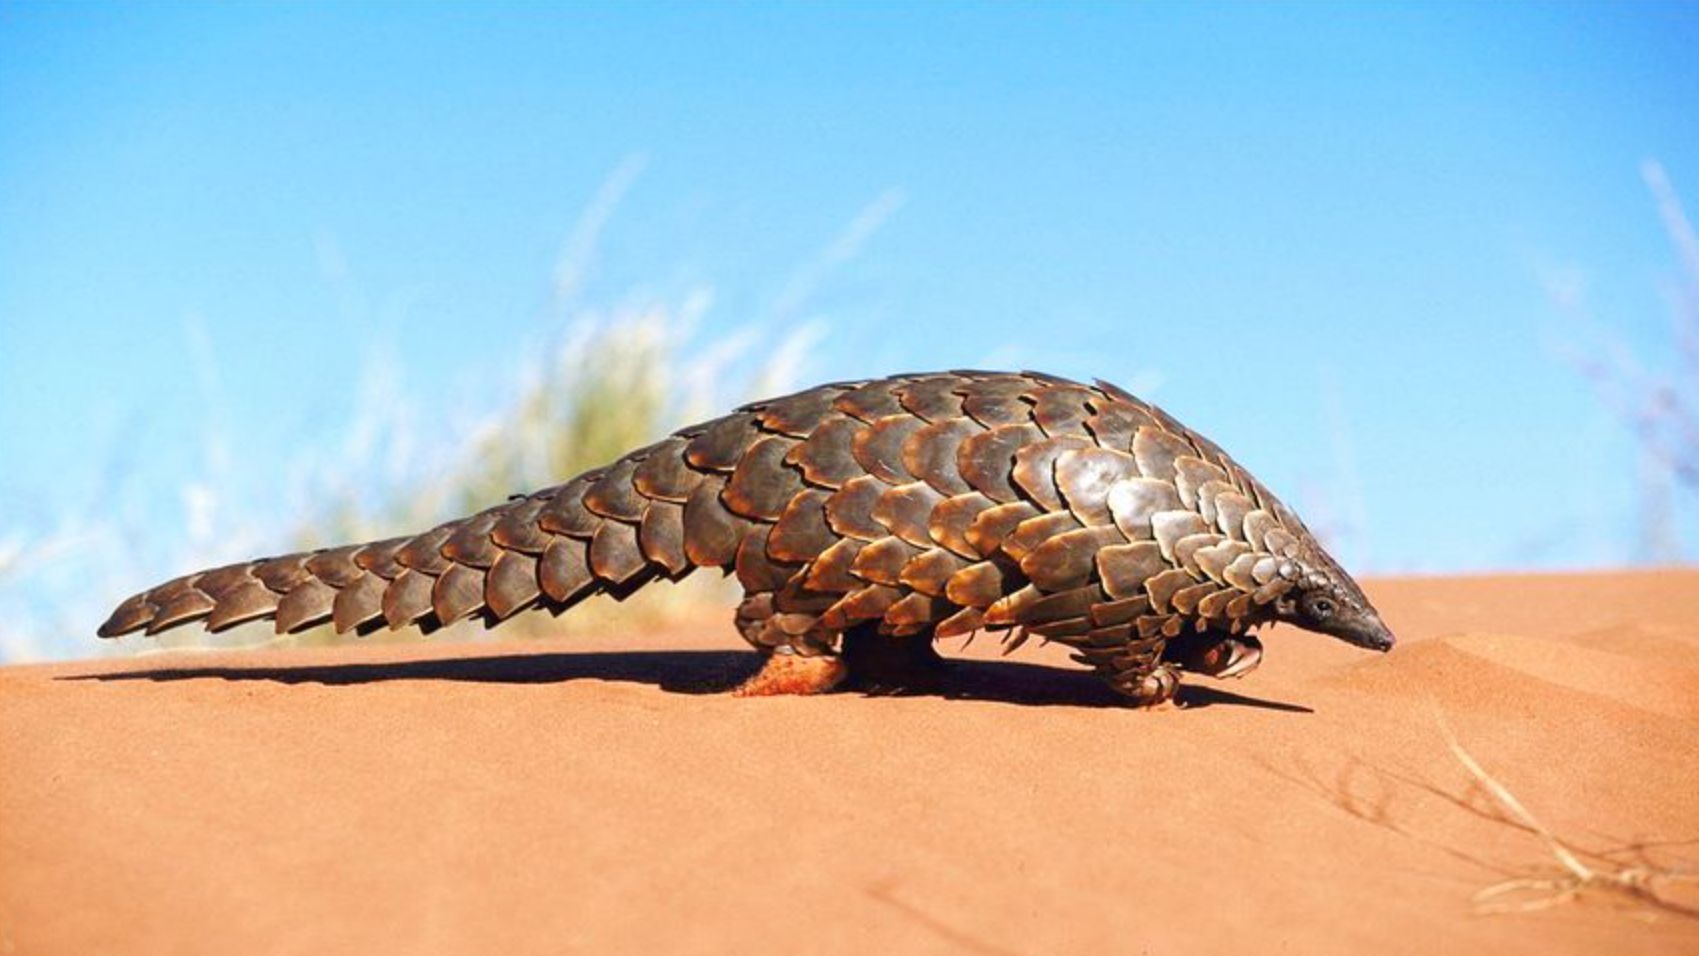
(887, 664)
(785, 672)
(1147, 687)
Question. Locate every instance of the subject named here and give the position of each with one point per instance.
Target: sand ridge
(604, 793)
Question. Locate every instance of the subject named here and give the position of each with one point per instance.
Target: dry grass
(1654, 394)
(1619, 872)
(1640, 885)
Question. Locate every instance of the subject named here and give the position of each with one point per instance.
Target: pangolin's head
(1325, 599)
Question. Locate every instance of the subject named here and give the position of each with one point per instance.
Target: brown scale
(660, 534)
(1186, 550)
(906, 509)
(862, 519)
(878, 448)
(1113, 423)
(978, 585)
(664, 475)
(802, 532)
(998, 400)
(930, 571)
(1084, 477)
(830, 572)
(1068, 559)
(359, 602)
(930, 454)
(1063, 410)
(931, 398)
(870, 401)
(951, 518)
(849, 511)
(990, 527)
(1035, 468)
(882, 561)
(824, 458)
(986, 460)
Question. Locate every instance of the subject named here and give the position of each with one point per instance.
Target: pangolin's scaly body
(862, 520)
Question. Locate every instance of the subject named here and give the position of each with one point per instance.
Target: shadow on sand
(694, 672)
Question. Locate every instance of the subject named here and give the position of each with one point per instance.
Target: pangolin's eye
(1321, 608)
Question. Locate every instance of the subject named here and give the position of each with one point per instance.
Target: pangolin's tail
(610, 530)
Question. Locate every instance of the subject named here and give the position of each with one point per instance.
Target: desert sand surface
(604, 794)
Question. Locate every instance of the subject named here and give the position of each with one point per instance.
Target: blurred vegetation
(604, 393)
(1655, 397)
(613, 385)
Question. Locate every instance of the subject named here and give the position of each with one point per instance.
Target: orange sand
(606, 795)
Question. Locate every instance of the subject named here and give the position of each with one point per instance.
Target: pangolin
(863, 520)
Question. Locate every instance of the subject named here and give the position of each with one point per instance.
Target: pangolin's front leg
(1148, 672)
(1215, 653)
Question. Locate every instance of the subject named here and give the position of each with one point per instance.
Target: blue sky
(1326, 235)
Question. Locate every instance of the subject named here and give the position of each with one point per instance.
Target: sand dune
(604, 794)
